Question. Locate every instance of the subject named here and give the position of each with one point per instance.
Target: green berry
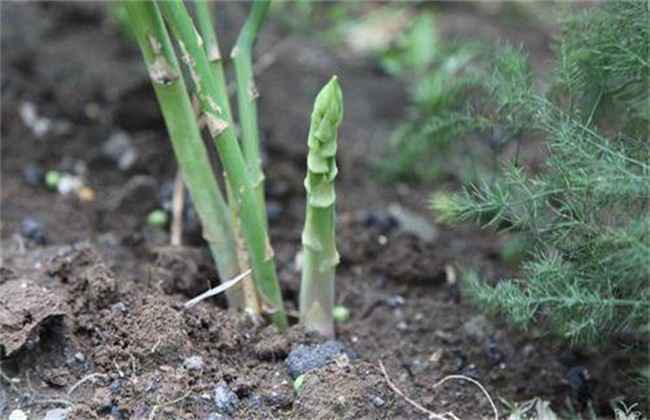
(298, 383)
(52, 179)
(157, 218)
(340, 313)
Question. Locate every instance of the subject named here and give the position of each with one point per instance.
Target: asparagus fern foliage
(587, 210)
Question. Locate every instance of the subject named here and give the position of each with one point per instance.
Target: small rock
(395, 301)
(380, 219)
(120, 150)
(56, 414)
(33, 174)
(217, 416)
(478, 327)
(80, 357)
(377, 401)
(18, 415)
(493, 353)
(578, 379)
(193, 363)
(33, 230)
(307, 357)
(225, 400)
(69, 184)
(413, 223)
(119, 307)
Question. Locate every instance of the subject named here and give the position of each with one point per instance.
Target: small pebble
(18, 415)
(79, 357)
(33, 174)
(119, 148)
(119, 307)
(193, 363)
(378, 402)
(395, 301)
(225, 400)
(578, 379)
(33, 230)
(380, 219)
(69, 184)
(56, 414)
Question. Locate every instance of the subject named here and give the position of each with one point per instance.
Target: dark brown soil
(93, 320)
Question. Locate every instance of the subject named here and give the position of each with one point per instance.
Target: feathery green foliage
(587, 211)
(445, 78)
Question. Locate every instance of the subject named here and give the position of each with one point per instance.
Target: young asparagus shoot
(247, 94)
(320, 257)
(213, 102)
(191, 154)
(211, 45)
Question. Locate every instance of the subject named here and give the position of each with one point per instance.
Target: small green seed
(340, 313)
(157, 218)
(298, 383)
(52, 179)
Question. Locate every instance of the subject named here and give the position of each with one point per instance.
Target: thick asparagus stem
(192, 157)
(211, 45)
(247, 94)
(320, 257)
(213, 103)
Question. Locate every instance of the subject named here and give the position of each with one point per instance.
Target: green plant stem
(191, 154)
(247, 94)
(320, 257)
(211, 44)
(213, 102)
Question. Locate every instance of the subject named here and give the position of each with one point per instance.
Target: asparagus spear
(247, 94)
(213, 102)
(211, 44)
(170, 89)
(320, 257)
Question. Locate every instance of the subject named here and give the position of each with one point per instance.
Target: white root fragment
(217, 290)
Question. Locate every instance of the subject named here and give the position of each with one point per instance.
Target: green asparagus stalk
(213, 103)
(211, 45)
(247, 94)
(320, 257)
(191, 154)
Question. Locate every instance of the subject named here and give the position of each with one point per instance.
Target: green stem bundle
(211, 44)
(247, 94)
(172, 95)
(213, 103)
(320, 257)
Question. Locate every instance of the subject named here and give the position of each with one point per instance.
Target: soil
(91, 310)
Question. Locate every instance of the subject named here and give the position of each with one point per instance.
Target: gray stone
(413, 223)
(308, 357)
(377, 401)
(120, 150)
(478, 327)
(193, 363)
(18, 415)
(56, 414)
(225, 400)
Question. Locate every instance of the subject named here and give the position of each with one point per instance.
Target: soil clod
(307, 357)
